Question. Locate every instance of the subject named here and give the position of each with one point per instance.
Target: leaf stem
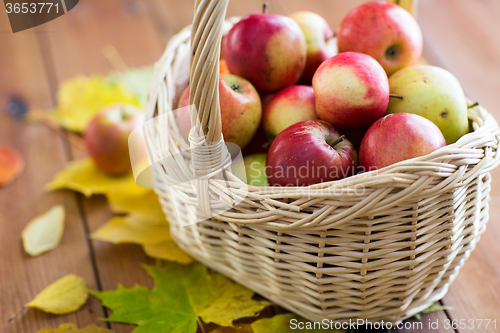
(473, 105)
(16, 314)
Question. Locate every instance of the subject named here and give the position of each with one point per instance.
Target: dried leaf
(167, 250)
(132, 229)
(11, 165)
(71, 328)
(44, 233)
(83, 176)
(181, 294)
(283, 324)
(66, 295)
(80, 98)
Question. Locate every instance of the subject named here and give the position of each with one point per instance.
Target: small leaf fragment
(71, 328)
(436, 307)
(66, 295)
(132, 229)
(237, 329)
(83, 176)
(44, 233)
(11, 165)
(167, 250)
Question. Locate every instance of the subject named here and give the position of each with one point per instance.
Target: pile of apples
(287, 84)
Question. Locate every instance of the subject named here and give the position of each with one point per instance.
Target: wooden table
(462, 36)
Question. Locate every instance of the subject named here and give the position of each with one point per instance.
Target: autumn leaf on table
(181, 297)
(80, 98)
(44, 232)
(71, 328)
(66, 295)
(11, 165)
(145, 205)
(83, 176)
(154, 236)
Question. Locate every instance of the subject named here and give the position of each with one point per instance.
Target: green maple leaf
(182, 295)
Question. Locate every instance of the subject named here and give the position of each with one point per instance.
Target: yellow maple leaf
(71, 328)
(145, 205)
(83, 176)
(132, 229)
(66, 295)
(44, 232)
(80, 98)
(167, 250)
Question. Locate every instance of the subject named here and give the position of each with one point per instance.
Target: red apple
(383, 30)
(287, 107)
(319, 40)
(398, 137)
(106, 137)
(352, 91)
(310, 152)
(268, 50)
(241, 110)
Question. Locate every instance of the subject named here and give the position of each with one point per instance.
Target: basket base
(415, 307)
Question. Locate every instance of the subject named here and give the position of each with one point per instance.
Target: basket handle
(206, 37)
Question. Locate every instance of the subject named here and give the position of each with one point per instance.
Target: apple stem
(264, 7)
(396, 96)
(473, 105)
(339, 140)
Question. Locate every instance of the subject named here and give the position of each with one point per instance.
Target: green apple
(255, 166)
(433, 93)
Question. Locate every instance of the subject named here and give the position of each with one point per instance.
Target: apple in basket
(310, 152)
(383, 30)
(268, 50)
(319, 40)
(352, 91)
(241, 110)
(433, 93)
(287, 107)
(106, 137)
(398, 137)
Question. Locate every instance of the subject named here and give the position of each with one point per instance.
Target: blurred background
(461, 36)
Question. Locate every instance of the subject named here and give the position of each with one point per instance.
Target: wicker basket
(384, 253)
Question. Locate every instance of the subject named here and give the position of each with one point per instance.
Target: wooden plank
(21, 276)
(462, 36)
(77, 49)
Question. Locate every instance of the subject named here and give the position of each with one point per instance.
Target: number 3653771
(31, 7)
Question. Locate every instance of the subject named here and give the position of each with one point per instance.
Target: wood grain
(21, 276)
(460, 35)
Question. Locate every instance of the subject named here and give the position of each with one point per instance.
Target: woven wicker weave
(382, 245)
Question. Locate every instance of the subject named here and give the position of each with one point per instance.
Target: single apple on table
(433, 93)
(352, 91)
(241, 110)
(398, 137)
(255, 167)
(319, 40)
(106, 137)
(384, 31)
(310, 152)
(268, 50)
(287, 107)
